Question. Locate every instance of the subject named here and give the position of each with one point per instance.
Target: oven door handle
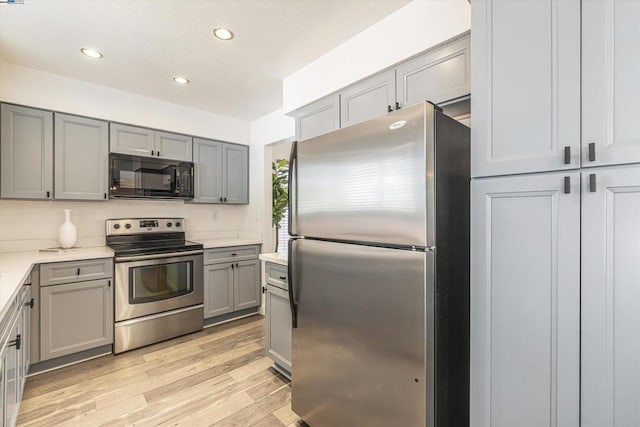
(158, 256)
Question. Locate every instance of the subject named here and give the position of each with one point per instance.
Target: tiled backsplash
(27, 225)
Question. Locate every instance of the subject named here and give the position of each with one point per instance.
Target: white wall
(27, 86)
(28, 225)
(271, 128)
(410, 30)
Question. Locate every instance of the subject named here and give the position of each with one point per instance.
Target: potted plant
(280, 193)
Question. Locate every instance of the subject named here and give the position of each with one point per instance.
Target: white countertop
(15, 266)
(276, 257)
(223, 243)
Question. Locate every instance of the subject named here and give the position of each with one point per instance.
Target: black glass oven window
(161, 281)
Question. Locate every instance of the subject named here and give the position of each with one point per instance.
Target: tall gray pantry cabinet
(555, 295)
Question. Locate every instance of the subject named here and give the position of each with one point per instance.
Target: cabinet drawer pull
(234, 254)
(29, 304)
(153, 152)
(389, 109)
(283, 277)
(232, 266)
(398, 105)
(48, 194)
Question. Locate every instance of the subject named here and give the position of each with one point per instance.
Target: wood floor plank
(217, 376)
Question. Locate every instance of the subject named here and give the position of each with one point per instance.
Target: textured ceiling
(147, 42)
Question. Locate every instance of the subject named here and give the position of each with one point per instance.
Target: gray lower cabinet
(218, 285)
(277, 317)
(317, 118)
(367, 99)
(76, 315)
(139, 141)
(231, 280)
(610, 297)
(14, 356)
(221, 172)
(26, 148)
(525, 301)
(81, 158)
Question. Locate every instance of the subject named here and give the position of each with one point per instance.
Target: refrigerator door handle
(292, 302)
(293, 165)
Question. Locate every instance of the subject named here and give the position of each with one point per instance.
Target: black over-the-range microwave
(147, 177)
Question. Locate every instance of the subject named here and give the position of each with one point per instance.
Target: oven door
(151, 284)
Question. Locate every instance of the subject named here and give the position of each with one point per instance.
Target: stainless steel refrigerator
(379, 272)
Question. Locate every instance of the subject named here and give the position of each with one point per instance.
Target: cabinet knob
(220, 198)
(389, 109)
(225, 199)
(398, 105)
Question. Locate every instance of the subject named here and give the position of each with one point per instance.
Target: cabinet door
(27, 153)
(131, 140)
(25, 318)
(278, 326)
(81, 158)
(370, 98)
(526, 86)
(174, 146)
(75, 317)
(247, 285)
(611, 297)
(610, 82)
(235, 163)
(320, 117)
(525, 301)
(11, 377)
(207, 159)
(437, 76)
(218, 289)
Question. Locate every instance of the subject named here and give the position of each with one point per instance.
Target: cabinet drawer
(75, 271)
(235, 253)
(276, 275)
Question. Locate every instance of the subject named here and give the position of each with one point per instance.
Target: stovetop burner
(145, 236)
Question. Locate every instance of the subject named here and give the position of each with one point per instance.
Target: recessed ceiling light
(91, 53)
(223, 33)
(181, 80)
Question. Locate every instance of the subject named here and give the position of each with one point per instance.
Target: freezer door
(361, 353)
(370, 182)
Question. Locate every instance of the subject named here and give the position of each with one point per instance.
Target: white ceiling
(147, 42)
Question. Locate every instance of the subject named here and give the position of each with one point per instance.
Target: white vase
(67, 233)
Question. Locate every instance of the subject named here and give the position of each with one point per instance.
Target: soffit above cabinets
(147, 42)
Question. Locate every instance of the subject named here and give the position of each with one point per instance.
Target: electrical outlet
(215, 214)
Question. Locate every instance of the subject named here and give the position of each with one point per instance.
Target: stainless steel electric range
(158, 281)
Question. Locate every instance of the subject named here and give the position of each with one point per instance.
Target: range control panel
(144, 225)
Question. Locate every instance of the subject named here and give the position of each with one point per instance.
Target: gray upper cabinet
(247, 287)
(235, 181)
(367, 99)
(525, 301)
(81, 157)
(173, 146)
(132, 140)
(26, 144)
(221, 172)
(610, 82)
(610, 297)
(438, 76)
(140, 141)
(318, 118)
(526, 86)
(207, 158)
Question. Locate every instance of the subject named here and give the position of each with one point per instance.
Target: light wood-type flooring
(218, 377)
